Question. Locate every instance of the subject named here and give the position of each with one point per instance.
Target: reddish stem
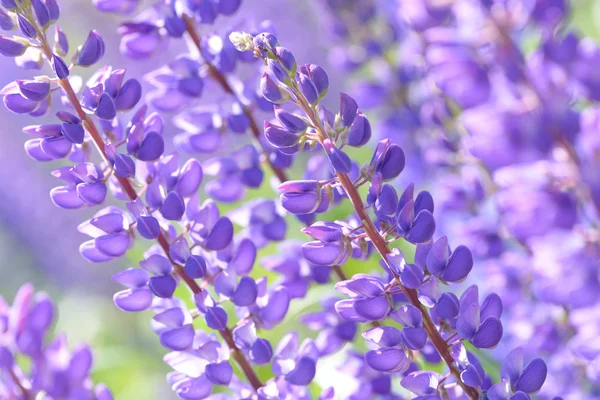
(132, 194)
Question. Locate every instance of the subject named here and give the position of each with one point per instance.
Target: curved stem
(221, 79)
(132, 195)
(383, 250)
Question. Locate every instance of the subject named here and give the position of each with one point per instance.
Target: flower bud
(287, 60)
(271, 91)
(12, 47)
(60, 67)
(42, 14)
(25, 26)
(348, 109)
(280, 137)
(307, 87)
(339, 160)
(291, 122)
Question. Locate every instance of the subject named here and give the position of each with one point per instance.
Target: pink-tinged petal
(133, 300)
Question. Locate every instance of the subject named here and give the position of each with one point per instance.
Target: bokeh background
(39, 242)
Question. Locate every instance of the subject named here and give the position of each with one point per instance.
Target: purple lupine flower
(59, 371)
(479, 324)
(296, 364)
(368, 299)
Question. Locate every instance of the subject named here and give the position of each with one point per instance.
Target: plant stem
(382, 248)
(221, 79)
(131, 193)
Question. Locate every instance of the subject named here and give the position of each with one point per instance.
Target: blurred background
(39, 242)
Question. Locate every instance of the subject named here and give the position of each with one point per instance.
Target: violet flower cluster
(36, 364)
(424, 327)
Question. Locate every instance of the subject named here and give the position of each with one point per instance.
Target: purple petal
(246, 292)
(56, 147)
(195, 267)
(422, 383)
(348, 109)
(491, 307)
(178, 339)
(320, 253)
(533, 376)
(114, 245)
(512, 366)
(489, 334)
(66, 197)
(89, 251)
(173, 207)
(470, 376)
(414, 338)
(244, 257)
(384, 336)
(221, 235)
(459, 265)
(468, 319)
(163, 286)
(372, 309)
(303, 373)
(189, 178)
(422, 229)
(129, 95)
(345, 309)
(106, 107)
(219, 373)
(448, 306)
(152, 147)
(261, 351)
(216, 318)
(386, 360)
(92, 193)
(132, 277)
(132, 300)
(438, 256)
(148, 227)
(277, 307)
